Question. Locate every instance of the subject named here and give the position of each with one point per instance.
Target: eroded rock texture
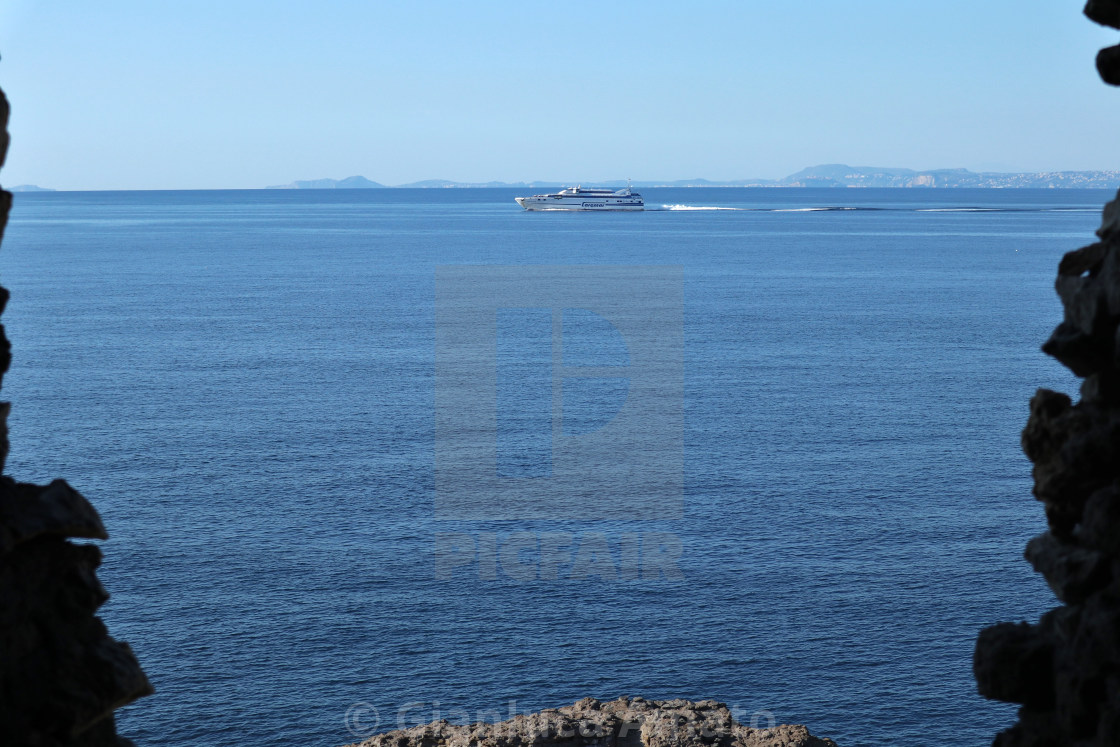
(626, 722)
(61, 675)
(1065, 670)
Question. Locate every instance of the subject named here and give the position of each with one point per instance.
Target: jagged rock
(5, 138)
(5, 346)
(61, 675)
(1065, 671)
(1100, 520)
(626, 722)
(1088, 284)
(1075, 450)
(1015, 663)
(1110, 219)
(1104, 12)
(1107, 13)
(1101, 389)
(1035, 729)
(1072, 571)
(1042, 436)
(1108, 65)
(1079, 351)
(57, 509)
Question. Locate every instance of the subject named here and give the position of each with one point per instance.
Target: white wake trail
(694, 207)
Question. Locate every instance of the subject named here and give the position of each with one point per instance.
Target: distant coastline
(828, 175)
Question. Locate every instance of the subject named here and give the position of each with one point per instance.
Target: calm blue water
(243, 383)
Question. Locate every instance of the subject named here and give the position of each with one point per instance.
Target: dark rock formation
(626, 722)
(61, 675)
(1107, 13)
(1065, 670)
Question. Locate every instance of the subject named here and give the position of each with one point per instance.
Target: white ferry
(578, 198)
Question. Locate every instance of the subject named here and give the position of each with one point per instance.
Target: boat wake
(761, 210)
(693, 207)
(850, 208)
(814, 209)
(1005, 210)
(965, 210)
(853, 208)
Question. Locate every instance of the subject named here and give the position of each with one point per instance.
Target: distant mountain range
(350, 182)
(828, 175)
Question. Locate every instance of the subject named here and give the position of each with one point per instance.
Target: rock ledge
(626, 722)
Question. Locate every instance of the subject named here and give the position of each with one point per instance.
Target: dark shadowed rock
(1104, 12)
(1108, 65)
(5, 136)
(1107, 13)
(1110, 220)
(1088, 282)
(626, 722)
(57, 510)
(61, 675)
(1072, 571)
(1075, 449)
(1100, 521)
(1065, 670)
(1015, 663)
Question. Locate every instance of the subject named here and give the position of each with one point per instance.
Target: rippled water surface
(243, 383)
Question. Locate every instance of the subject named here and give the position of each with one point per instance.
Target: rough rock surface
(61, 675)
(626, 722)
(1065, 670)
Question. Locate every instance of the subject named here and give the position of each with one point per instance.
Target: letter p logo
(559, 392)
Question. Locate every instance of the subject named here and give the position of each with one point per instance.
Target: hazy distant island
(29, 188)
(350, 182)
(828, 175)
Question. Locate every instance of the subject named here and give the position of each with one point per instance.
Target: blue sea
(244, 384)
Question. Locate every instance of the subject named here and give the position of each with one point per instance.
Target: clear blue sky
(148, 95)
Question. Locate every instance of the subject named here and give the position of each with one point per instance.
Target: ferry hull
(573, 205)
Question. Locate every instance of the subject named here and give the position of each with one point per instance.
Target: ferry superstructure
(580, 198)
